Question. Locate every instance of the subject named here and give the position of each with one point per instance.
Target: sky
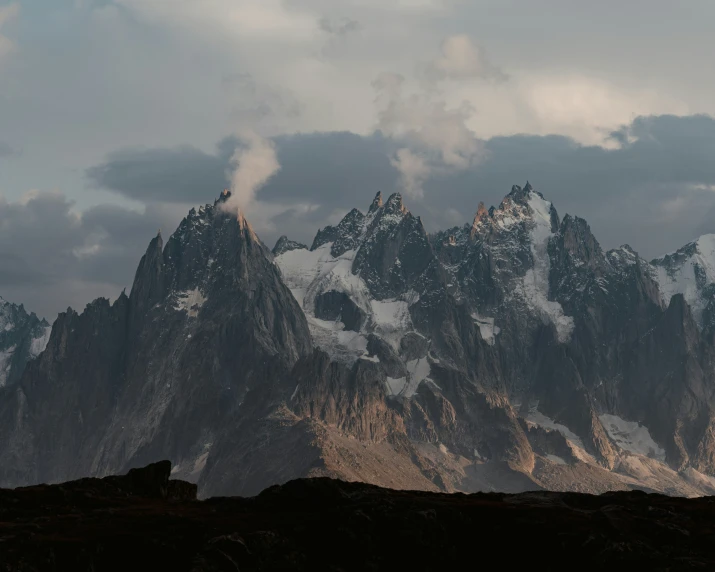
(118, 116)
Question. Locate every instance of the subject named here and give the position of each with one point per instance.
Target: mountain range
(509, 354)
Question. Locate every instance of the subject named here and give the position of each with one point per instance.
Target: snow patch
(391, 319)
(486, 328)
(395, 385)
(543, 421)
(536, 280)
(699, 479)
(418, 371)
(310, 273)
(556, 459)
(370, 358)
(38, 344)
(631, 436)
(199, 465)
(295, 392)
(190, 301)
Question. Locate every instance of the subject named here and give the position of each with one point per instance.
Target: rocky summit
(510, 354)
(145, 521)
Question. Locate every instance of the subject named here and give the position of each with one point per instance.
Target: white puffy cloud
(413, 171)
(254, 163)
(437, 135)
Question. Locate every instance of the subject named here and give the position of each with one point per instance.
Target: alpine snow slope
(509, 354)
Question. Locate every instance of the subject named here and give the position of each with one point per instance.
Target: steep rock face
(501, 268)
(671, 388)
(23, 336)
(353, 400)
(163, 370)
(418, 343)
(56, 417)
(571, 323)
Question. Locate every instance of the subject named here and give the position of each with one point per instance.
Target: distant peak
(284, 244)
(528, 187)
(376, 202)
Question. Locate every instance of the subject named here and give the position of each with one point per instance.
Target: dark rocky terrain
(144, 521)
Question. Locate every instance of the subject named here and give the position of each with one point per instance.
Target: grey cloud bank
(659, 175)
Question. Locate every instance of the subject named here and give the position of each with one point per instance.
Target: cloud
(460, 60)
(54, 256)
(658, 175)
(317, 167)
(175, 174)
(436, 137)
(414, 171)
(254, 162)
(254, 104)
(585, 108)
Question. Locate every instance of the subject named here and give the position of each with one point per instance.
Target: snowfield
(310, 273)
(632, 437)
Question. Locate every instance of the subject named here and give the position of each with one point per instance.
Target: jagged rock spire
(482, 215)
(376, 203)
(395, 204)
(224, 196)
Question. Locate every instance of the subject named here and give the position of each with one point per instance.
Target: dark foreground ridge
(144, 521)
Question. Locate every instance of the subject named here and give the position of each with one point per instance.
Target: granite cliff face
(510, 354)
